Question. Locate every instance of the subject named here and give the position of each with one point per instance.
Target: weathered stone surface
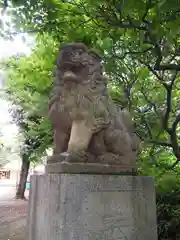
(92, 207)
(59, 164)
(85, 122)
(90, 168)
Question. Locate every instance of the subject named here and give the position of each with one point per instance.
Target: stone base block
(89, 168)
(92, 207)
(58, 164)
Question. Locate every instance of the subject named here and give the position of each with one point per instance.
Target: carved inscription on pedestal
(107, 215)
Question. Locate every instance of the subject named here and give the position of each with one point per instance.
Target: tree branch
(130, 24)
(174, 164)
(168, 104)
(168, 111)
(151, 69)
(160, 143)
(166, 67)
(150, 103)
(172, 17)
(133, 53)
(174, 140)
(148, 127)
(148, 7)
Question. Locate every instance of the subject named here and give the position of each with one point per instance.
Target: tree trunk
(23, 177)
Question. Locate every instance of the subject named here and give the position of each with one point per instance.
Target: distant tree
(31, 148)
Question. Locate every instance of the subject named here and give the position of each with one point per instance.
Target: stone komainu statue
(86, 124)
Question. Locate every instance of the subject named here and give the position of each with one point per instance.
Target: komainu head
(77, 64)
(72, 56)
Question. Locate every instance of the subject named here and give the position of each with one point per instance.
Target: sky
(8, 48)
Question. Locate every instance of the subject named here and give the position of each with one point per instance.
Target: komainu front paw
(74, 157)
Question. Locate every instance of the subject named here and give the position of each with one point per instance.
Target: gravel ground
(13, 215)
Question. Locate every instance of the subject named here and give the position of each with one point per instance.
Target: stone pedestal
(92, 207)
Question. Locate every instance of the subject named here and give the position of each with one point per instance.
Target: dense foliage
(168, 212)
(140, 45)
(140, 42)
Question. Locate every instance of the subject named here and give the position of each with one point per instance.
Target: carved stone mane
(80, 85)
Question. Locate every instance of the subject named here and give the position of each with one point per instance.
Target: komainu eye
(80, 52)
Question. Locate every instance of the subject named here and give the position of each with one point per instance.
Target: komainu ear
(93, 52)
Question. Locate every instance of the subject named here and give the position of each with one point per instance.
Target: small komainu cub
(86, 123)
